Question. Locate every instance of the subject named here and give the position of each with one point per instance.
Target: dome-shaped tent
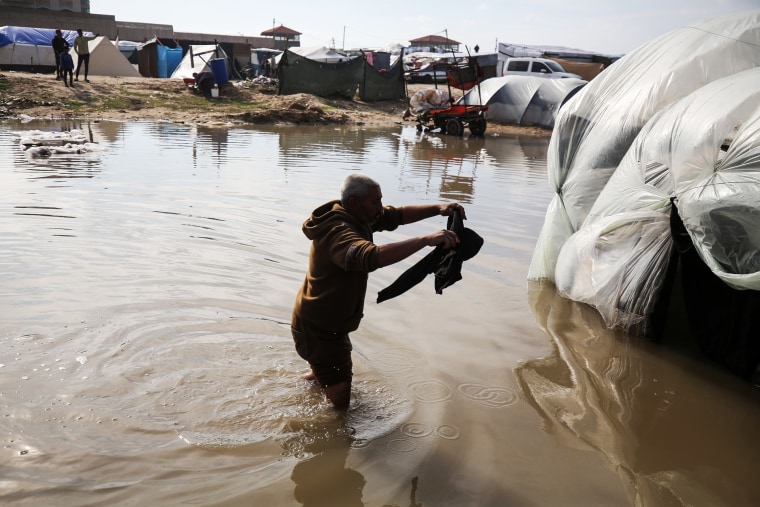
(656, 165)
(522, 100)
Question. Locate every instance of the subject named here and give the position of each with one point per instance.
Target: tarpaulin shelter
(129, 49)
(29, 49)
(522, 100)
(106, 59)
(656, 168)
(198, 59)
(155, 59)
(382, 84)
(320, 54)
(299, 74)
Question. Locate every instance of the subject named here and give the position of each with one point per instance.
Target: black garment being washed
(446, 264)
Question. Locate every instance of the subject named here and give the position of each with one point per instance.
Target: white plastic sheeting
(106, 60)
(522, 100)
(430, 98)
(678, 119)
(197, 59)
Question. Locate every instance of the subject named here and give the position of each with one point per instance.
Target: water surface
(146, 358)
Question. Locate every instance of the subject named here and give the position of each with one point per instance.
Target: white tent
(656, 168)
(27, 54)
(29, 48)
(318, 54)
(197, 59)
(106, 60)
(522, 100)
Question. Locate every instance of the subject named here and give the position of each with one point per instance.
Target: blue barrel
(219, 70)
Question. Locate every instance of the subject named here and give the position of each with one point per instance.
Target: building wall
(65, 20)
(55, 5)
(209, 38)
(142, 32)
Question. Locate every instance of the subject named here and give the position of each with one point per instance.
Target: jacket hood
(324, 218)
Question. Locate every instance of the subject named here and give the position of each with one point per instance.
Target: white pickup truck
(539, 67)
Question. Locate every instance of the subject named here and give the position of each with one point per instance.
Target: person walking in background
(67, 67)
(82, 48)
(59, 43)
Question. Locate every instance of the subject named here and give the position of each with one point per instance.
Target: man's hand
(450, 208)
(447, 239)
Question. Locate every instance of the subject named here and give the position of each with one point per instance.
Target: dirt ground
(239, 102)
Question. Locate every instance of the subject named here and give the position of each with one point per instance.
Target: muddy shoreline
(40, 96)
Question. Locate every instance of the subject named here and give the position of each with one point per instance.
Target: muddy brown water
(146, 358)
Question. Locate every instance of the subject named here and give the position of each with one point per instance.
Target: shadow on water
(642, 406)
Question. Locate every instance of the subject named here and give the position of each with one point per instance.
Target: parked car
(540, 67)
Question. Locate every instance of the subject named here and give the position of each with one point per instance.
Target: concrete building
(82, 6)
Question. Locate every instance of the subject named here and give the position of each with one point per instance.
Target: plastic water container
(215, 92)
(219, 70)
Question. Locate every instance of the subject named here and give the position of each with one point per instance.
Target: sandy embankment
(122, 98)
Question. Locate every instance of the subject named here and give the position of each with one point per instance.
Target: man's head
(58, 32)
(361, 197)
(79, 31)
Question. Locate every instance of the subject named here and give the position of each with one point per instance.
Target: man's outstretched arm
(421, 212)
(392, 253)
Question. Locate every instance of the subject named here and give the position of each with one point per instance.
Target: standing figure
(82, 48)
(58, 44)
(330, 303)
(67, 67)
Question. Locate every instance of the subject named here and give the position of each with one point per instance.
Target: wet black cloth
(446, 264)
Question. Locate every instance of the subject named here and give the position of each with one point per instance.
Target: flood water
(146, 356)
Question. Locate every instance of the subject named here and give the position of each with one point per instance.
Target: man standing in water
(330, 303)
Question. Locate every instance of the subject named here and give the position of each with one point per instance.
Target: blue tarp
(34, 36)
(168, 60)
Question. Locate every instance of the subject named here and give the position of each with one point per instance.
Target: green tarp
(297, 74)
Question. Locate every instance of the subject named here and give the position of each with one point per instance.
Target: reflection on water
(644, 409)
(146, 357)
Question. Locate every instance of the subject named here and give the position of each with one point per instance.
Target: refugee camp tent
(258, 55)
(522, 100)
(319, 54)
(155, 59)
(198, 59)
(656, 165)
(300, 74)
(129, 49)
(29, 49)
(106, 60)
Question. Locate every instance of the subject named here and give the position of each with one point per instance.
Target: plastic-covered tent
(319, 54)
(198, 59)
(656, 168)
(23, 48)
(155, 59)
(523, 100)
(106, 60)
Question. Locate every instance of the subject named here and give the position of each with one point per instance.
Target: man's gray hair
(356, 185)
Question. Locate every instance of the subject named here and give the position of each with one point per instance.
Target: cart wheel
(478, 127)
(454, 127)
